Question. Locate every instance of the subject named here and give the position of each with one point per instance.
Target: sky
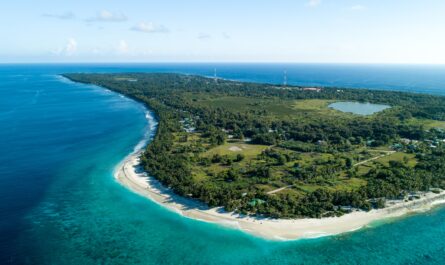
(292, 31)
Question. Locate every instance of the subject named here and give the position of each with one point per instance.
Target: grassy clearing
(319, 107)
(401, 157)
(124, 78)
(349, 184)
(234, 148)
(363, 169)
(274, 107)
(191, 137)
(436, 124)
(398, 156)
(233, 103)
(312, 104)
(231, 150)
(340, 184)
(428, 124)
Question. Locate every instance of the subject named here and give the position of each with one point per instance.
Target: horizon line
(223, 62)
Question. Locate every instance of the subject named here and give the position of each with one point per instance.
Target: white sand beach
(130, 174)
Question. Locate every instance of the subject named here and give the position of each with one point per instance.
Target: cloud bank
(204, 36)
(107, 16)
(64, 16)
(149, 27)
(358, 7)
(314, 3)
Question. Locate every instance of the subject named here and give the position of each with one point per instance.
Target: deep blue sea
(59, 202)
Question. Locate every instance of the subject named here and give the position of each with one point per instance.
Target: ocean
(59, 202)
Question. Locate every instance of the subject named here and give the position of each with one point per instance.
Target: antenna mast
(285, 78)
(215, 77)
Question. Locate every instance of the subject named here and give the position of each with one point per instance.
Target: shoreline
(130, 174)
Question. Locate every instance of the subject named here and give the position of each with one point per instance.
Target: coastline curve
(130, 174)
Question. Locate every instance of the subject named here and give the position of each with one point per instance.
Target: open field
(270, 105)
(313, 104)
(428, 124)
(237, 147)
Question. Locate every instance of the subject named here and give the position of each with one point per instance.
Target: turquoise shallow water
(59, 203)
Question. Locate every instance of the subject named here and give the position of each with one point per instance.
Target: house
(315, 89)
(397, 146)
(405, 141)
(321, 142)
(347, 209)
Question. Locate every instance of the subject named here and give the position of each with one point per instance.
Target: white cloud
(64, 16)
(122, 47)
(204, 36)
(358, 7)
(107, 16)
(226, 36)
(96, 51)
(69, 49)
(314, 3)
(149, 27)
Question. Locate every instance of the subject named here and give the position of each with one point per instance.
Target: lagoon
(358, 107)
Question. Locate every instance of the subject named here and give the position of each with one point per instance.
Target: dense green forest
(280, 151)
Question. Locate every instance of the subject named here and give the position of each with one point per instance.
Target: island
(281, 161)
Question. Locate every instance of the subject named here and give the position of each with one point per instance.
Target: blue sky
(333, 31)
